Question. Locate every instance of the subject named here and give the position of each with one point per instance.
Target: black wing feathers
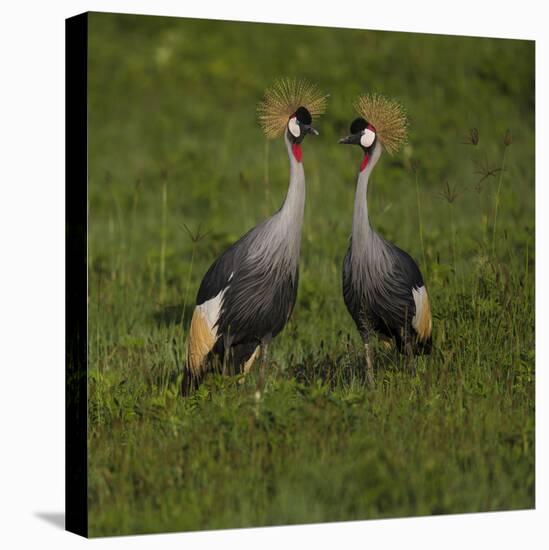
(387, 304)
(407, 269)
(258, 299)
(218, 275)
(257, 304)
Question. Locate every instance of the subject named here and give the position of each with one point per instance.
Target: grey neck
(363, 234)
(276, 241)
(295, 198)
(290, 216)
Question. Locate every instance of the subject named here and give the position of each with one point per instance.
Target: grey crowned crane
(383, 288)
(247, 295)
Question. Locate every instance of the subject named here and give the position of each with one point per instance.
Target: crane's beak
(353, 139)
(308, 129)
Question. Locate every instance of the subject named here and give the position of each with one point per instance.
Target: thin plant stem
(163, 240)
(452, 233)
(420, 224)
(526, 272)
(266, 175)
(187, 288)
(98, 319)
(497, 201)
(135, 200)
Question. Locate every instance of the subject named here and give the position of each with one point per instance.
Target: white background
(32, 271)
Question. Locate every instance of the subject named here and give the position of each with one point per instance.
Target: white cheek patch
(367, 138)
(294, 128)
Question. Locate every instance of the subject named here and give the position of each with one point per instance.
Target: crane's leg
(262, 366)
(225, 361)
(409, 359)
(248, 365)
(364, 330)
(187, 384)
(369, 364)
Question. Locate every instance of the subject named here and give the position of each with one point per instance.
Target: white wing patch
(211, 310)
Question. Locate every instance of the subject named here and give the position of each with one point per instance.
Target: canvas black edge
(76, 168)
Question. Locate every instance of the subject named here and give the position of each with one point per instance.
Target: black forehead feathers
(303, 116)
(358, 125)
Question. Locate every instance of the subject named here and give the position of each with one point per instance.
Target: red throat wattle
(297, 151)
(364, 162)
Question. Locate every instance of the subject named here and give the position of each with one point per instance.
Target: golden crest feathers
(387, 116)
(283, 99)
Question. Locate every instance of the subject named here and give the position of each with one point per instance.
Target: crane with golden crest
(383, 288)
(247, 295)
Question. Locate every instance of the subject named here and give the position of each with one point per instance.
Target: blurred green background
(179, 169)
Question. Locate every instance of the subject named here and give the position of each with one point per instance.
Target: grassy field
(179, 169)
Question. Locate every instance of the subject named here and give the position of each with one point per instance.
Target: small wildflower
(472, 139)
(485, 171)
(449, 194)
(195, 236)
(415, 165)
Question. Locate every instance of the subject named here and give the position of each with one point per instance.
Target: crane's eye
(294, 128)
(367, 138)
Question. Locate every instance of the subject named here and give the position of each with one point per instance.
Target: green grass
(178, 170)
